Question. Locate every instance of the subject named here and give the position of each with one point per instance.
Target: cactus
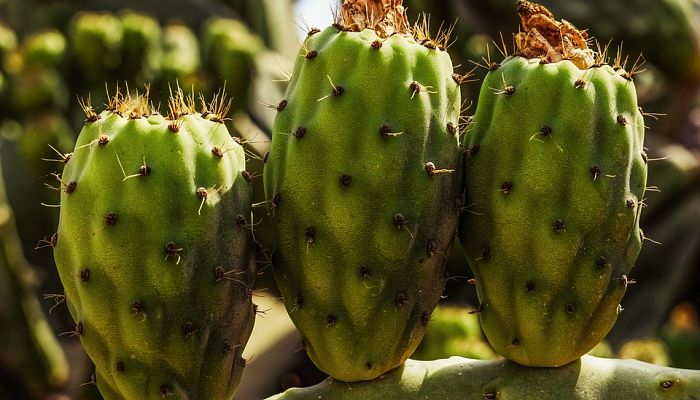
(47, 49)
(153, 249)
(37, 88)
(649, 350)
(8, 42)
(459, 378)
(141, 48)
(229, 50)
(556, 173)
(454, 331)
(181, 61)
(95, 42)
(362, 188)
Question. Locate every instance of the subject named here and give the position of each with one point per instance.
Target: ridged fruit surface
(153, 250)
(556, 172)
(363, 185)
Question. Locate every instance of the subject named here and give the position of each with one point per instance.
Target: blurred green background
(54, 52)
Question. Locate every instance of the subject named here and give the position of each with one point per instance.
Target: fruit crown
(139, 105)
(550, 40)
(388, 17)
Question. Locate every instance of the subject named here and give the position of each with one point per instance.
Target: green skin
(463, 379)
(181, 61)
(158, 323)
(550, 291)
(229, 50)
(141, 46)
(46, 49)
(95, 43)
(358, 285)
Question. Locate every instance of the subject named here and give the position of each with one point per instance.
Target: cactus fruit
(141, 46)
(95, 41)
(8, 41)
(363, 185)
(47, 49)
(454, 331)
(153, 249)
(181, 61)
(460, 378)
(229, 50)
(556, 173)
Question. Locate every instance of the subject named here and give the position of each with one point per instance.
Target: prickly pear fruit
(45, 49)
(460, 378)
(363, 188)
(95, 42)
(153, 249)
(181, 61)
(556, 173)
(229, 50)
(141, 47)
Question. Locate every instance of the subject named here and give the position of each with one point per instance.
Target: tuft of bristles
(138, 105)
(550, 40)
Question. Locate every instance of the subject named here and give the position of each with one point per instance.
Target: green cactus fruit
(181, 60)
(460, 378)
(651, 350)
(454, 331)
(141, 49)
(8, 41)
(35, 88)
(363, 186)
(270, 20)
(95, 43)
(43, 133)
(46, 49)
(153, 249)
(229, 51)
(556, 173)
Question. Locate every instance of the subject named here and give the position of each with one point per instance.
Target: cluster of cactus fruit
(372, 170)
